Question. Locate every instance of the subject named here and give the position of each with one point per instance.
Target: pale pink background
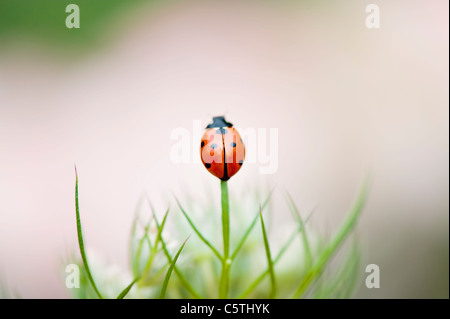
(346, 100)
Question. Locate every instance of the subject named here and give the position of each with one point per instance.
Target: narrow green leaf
(180, 276)
(137, 258)
(351, 275)
(160, 229)
(342, 234)
(133, 235)
(306, 246)
(143, 240)
(244, 238)
(249, 229)
(169, 271)
(155, 248)
(127, 289)
(273, 290)
(342, 283)
(280, 254)
(257, 281)
(157, 274)
(80, 239)
(214, 250)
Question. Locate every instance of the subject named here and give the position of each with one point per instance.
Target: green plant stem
(226, 262)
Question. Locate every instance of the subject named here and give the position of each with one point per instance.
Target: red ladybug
(222, 150)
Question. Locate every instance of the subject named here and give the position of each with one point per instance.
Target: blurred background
(346, 100)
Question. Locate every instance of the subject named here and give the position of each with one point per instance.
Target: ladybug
(222, 150)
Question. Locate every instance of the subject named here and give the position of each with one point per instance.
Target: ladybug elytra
(222, 150)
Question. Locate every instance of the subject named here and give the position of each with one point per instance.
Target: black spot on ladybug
(203, 143)
(240, 162)
(221, 131)
(214, 146)
(233, 144)
(208, 165)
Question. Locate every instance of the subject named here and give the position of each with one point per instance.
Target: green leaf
(169, 271)
(273, 283)
(249, 229)
(180, 276)
(80, 239)
(301, 228)
(280, 254)
(336, 242)
(160, 229)
(214, 250)
(127, 289)
(298, 217)
(155, 248)
(348, 274)
(343, 282)
(137, 258)
(153, 279)
(133, 236)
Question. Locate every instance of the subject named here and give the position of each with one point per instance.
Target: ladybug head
(219, 121)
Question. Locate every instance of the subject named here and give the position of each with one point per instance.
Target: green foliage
(127, 289)
(169, 271)
(43, 21)
(297, 270)
(270, 269)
